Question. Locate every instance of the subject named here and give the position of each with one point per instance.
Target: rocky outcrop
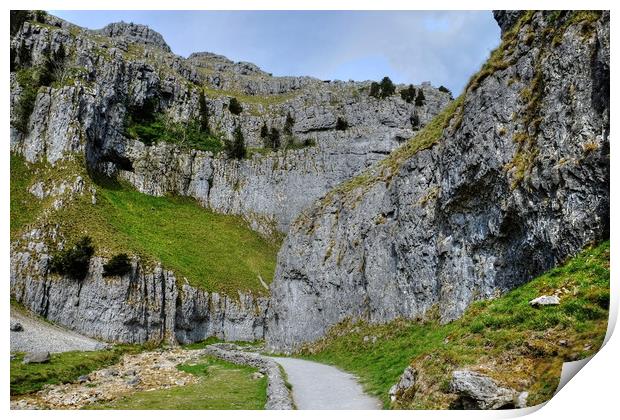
(263, 189)
(134, 33)
(124, 68)
(407, 381)
(506, 19)
(148, 304)
(510, 183)
(278, 394)
(476, 391)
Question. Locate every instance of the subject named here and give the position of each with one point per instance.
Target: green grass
(62, 368)
(213, 251)
(216, 252)
(187, 135)
(221, 386)
(505, 338)
(24, 207)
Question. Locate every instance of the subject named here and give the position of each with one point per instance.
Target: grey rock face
(134, 33)
(37, 357)
(144, 305)
(125, 66)
(477, 214)
(507, 18)
(479, 392)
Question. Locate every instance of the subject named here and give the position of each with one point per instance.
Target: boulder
(16, 326)
(545, 300)
(133, 381)
(37, 357)
(476, 391)
(407, 380)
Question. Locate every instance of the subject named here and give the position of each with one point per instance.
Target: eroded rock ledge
(148, 304)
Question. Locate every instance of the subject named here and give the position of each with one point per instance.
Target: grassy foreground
(222, 386)
(63, 367)
(213, 251)
(506, 338)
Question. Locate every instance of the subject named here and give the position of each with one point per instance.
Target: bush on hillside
(444, 89)
(264, 131)
(203, 114)
(273, 140)
(118, 265)
(234, 106)
(341, 124)
(288, 125)
(419, 99)
(387, 87)
(375, 91)
(74, 262)
(236, 148)
(415, 121)
(408, 94)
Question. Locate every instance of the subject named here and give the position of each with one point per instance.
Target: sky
(443, 47)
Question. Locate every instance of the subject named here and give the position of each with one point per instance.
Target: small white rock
(545, 300)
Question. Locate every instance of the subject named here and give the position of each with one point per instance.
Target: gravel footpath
(321, 387)
(39, 335)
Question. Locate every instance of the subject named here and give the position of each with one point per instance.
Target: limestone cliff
(508, 182)
(76, 123)
(105, 75)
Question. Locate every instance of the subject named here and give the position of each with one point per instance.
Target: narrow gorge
(164, 200)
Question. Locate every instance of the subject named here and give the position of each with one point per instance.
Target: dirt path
(321, 387)
(39, 335)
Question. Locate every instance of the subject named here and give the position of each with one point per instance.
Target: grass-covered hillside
(518, 345)
(213, 251)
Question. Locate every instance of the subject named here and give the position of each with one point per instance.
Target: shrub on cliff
(387, 87)
(420, 98)
(234, 106)
(74, 262)
(383, 89)
(273, 140)
(264, 131)
(415, 121)
(341, 124)
(118, 265)
(236, 148)
(408, 94)
(444, 89)
(288, 125)
(375, 91)
(204, 114)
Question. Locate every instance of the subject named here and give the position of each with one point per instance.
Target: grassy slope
(222, 386)
(505, 338)
(62, 368)
(213, 251)
(24, 208)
